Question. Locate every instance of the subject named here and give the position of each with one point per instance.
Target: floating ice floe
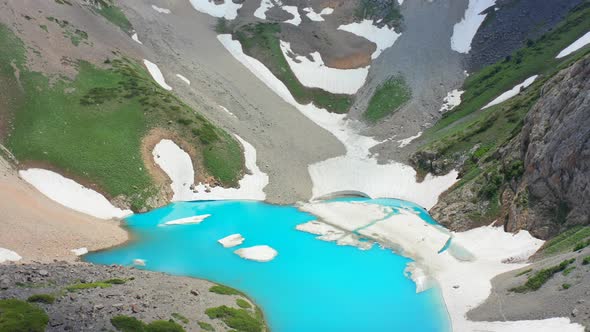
(406, 141)
(161, 10)
(231, 240)
(315, 74)
(136, 38)
(184, 79)
(177, 164)
(9, 256)
(480, 254)
(383, 37)
(465, 30)
(226, 9)
(71, 194)
(357, 170)
(317, 17)
(139, 262)
(262, 253)
(194, 220)
(452, 100)
(80, 251)
(156, 74)
(578, 44)
(512, 92)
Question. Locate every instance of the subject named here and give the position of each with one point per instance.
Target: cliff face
(545, 186)
(555, 149)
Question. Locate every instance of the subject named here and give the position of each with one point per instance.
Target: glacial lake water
(311, 285)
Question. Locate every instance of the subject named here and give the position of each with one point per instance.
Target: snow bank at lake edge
(71, 194)
(464, 284)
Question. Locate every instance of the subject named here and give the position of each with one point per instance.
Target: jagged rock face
(555, 148)
(553, 192)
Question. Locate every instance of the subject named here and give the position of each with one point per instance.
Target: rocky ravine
(147, 296)
(553, 192)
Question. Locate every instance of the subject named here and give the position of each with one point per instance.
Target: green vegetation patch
(91, 127)
(261, 41)
(131, 324)
(180, 317)
(88, 285)
(566, 241)
(586, 260)
(387, 99)
(20, 316)
(541, 277)
(113, 14)
(239, 319)
(568, 270)
(581, 245)
(224, 290)
(206, 326)
(566, 286)
(243, 304)
(42, 298)
(523, 272)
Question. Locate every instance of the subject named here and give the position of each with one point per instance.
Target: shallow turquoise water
(311, 285)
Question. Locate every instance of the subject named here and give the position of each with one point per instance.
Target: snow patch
(184, 79)
(177, 164)
(315, 74)
(161, 10)
(406, 141)
(465, 30)
(8, 256)
(156, 74)
(578, 44)
(136, 38)
(265, 5)
(71, 194)
(452, 100)
(231, 240)
(187, 221)
(261, 253)
(293, 10)
(512, 92)
(228, 111)
(80, 251)
(317, 17)
(228, 9)
(251, 185)
(383, 37)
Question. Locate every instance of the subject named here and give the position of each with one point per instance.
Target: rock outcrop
(548, 189)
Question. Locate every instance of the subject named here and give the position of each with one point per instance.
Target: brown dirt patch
(352, 61)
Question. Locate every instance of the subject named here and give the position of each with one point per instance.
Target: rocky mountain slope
(544, 185)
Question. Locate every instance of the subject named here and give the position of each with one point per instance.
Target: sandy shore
(39, 229)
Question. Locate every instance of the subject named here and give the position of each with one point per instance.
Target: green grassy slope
(387, 99)
(91, 127)
(261, 41)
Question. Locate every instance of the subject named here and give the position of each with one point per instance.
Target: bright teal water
(311, 285)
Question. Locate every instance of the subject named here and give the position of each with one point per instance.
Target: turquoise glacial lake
(311, 285)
